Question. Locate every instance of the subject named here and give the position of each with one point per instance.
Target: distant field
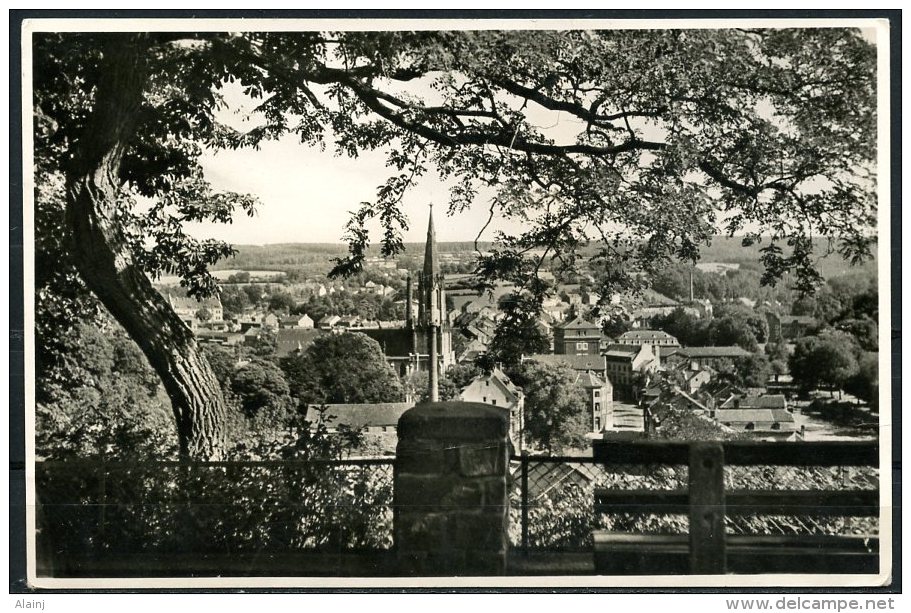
(265, 274)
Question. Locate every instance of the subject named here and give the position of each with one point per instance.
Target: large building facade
(577, 337)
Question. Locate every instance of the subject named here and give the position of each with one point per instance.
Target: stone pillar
(451, 505)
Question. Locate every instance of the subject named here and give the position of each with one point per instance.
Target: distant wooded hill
(314, 258)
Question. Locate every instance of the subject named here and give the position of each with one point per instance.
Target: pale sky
(307, 195)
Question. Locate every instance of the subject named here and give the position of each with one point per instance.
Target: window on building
(597, 406)
(493, 401)
(597, 393)
(597, 423)
(581, 346)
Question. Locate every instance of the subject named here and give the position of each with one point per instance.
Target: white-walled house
(496, 389)
(599, 394)
(296, 321)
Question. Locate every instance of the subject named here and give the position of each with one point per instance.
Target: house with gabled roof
(626, 363)
(497, 389)
(471, 352)
(188, 307)
(581, 363)
(693, 380)
(655, 338)
(599, 394)
(769, 423)
(717, 392)
(295, 321)
(703, 357)
(252, 334)
(348, 322)
(327, 322)
(577, 337)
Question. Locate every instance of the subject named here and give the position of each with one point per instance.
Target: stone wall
(451, 507)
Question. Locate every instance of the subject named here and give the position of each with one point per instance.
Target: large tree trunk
(106, 263)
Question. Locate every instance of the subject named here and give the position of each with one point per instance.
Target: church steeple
(432, 301)
(431, 258)
(432, 308)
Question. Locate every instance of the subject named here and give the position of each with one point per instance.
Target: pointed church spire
(431, 259)
(432, 308)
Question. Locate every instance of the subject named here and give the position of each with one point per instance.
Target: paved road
(627, 417)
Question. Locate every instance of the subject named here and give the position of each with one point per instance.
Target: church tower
(432, 335)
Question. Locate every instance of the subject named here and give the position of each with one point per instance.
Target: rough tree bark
(105, 261)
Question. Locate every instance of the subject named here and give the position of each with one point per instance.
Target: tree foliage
(826, 360)
(101, 400)
(616, 322)
(462, 374)
(556, 409)
(246, 510)
(518, 333)
(734, 326)
(753, 370)
(233, 301)
(864, 384)
(223, 362)
(342, 368)
(665, 128)
(777, 354)
(261, 387)
(417, 386)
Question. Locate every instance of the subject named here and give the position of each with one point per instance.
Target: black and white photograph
(451, 303)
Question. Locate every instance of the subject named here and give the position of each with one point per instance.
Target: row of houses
(494, 388)
(688, 382)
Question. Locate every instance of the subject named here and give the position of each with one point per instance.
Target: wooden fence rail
(707, 549)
